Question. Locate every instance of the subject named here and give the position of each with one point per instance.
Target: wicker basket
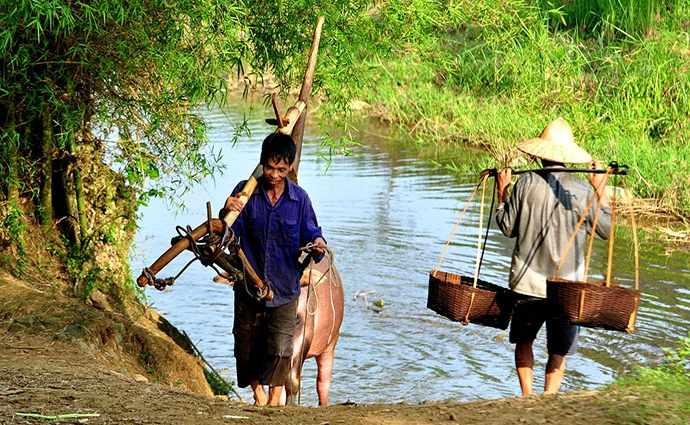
(456, 298)
(593, 304)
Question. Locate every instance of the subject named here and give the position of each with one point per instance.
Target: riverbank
(66, 361)
(45, 380)
(477, 75)
(57, 381)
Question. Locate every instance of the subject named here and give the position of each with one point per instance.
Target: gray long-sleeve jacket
(542, 214)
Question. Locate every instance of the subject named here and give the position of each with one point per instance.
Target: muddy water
(387, 216)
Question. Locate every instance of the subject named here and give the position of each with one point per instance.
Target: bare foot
(260, 398)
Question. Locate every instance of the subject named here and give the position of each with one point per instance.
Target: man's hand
(233, 203)
(316, 249)
(599, 181)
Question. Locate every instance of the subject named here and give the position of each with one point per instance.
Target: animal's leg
(324, 364)
(292, 386)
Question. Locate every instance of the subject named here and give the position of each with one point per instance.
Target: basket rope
(577, 229)
(477, 264)
(609, 261)
(636, 245)
(466, 299)
(480, 246)
(590, 244)
(599, 304)
(469, 309)
(611, 237)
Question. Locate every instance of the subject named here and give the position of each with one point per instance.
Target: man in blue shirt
(277, 220)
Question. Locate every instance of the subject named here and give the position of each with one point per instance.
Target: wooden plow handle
(245, 194)
(211, 230)
(148, 275)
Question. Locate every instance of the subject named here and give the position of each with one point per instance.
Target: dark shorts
(528, 317)
(263, 341)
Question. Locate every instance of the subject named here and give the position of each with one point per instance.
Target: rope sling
(470, 299)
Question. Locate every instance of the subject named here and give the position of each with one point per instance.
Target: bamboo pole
(617, 170)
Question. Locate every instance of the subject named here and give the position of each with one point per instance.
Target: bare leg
(555, 371)
(259, 393)
(274, 395)
(524, 363)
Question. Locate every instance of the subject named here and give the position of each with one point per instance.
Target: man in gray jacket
(542, 214)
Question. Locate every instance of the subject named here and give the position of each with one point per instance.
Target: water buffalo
(320, 314)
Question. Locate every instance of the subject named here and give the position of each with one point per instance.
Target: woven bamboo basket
(593, 304)
(457, 298)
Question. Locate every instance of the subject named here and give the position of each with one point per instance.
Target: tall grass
(503, 74)
(609, 17)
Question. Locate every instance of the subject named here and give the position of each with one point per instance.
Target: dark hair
(278, 146)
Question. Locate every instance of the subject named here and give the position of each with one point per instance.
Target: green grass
(650, 397)
(218, 385)
(659, 395)
(501, 77)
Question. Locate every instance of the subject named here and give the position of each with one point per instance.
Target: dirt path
(61, 356)
(54, 378)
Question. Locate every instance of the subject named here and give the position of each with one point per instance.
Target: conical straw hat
(556, 144)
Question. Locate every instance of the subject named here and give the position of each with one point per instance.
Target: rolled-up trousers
(263, 341)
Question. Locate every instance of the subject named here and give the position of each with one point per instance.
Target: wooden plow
(210, 240)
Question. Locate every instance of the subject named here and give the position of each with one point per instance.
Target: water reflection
(387, 216)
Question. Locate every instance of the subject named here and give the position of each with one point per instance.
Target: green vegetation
(219, 386)
(97, 111)
(98, 99)
(658, 395)
(499, 71)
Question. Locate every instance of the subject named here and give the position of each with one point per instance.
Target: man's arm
(506, 212)
(503, 180)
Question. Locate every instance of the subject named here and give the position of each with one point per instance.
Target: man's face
(276, 171)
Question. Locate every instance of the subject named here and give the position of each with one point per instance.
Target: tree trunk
(75, 166)
(10, 188)
(78, 187)
(62, 204)
(45, 208)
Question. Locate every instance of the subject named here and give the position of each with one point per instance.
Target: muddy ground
(54, 378)
(66, 361)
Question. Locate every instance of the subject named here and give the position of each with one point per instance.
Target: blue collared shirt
(271, 237)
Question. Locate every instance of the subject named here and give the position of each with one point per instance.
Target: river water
(387, 216)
